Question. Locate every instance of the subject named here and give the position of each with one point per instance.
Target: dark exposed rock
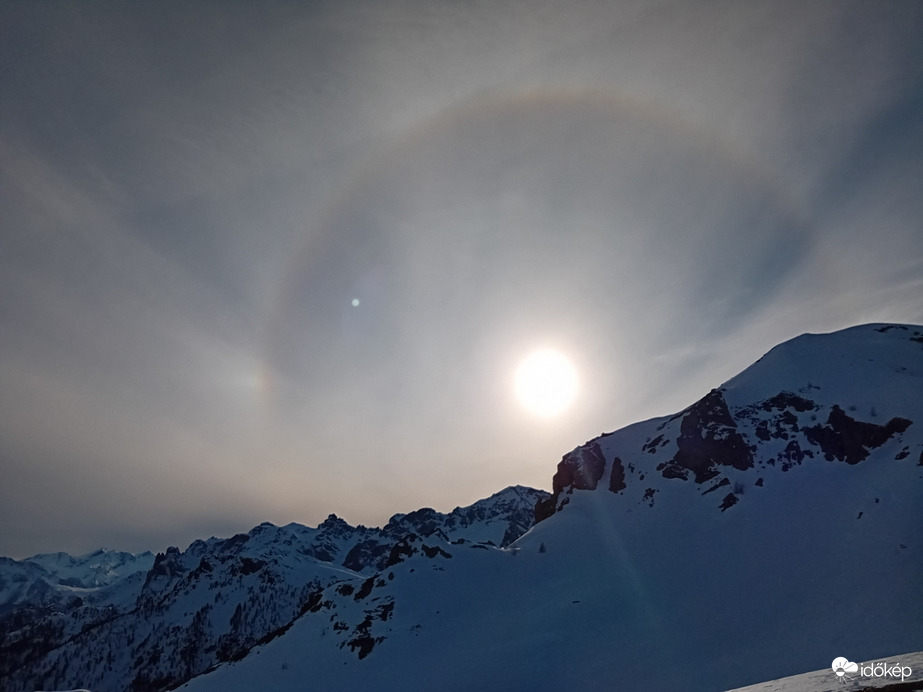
(617, 477)
(846, 439)
(793, 455)
(673, 470)
(787, 400)
(331, 533)
(651, 445)
(545, 507)
(363, 641)
(365, 553)
(234, 543)
(513, 532)
(788, 418)
(166, 565)
(384, 611)
(709, 438)
(313, 602)
(434, 551)
(365, 589)
(203, 567)
(322, 554)
(580, 469)
(783, 423)
(729, 501)
(425, 522)
(399, 551)
(720, 484)
(762, 431)
(248, 566)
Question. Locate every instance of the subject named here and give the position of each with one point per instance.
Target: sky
(272, 261)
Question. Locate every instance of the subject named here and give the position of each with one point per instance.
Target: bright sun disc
(546, 383)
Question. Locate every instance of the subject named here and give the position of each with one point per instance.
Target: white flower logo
(841, 666)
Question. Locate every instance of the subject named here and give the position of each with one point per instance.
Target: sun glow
(546, 383)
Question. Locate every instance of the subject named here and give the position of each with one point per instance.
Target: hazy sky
(194, 193)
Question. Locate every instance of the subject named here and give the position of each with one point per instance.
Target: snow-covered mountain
(117, 621)
(763, 531)
(56, 578)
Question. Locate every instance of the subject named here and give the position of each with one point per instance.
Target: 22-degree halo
(546, 383)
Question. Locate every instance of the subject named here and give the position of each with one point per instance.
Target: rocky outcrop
(580, 469)
(713, 442)
(617, 476)
(509, 512)
(846, 439)
(708, 440)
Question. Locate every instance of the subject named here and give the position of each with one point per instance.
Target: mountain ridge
(795, 425)
(48, 620)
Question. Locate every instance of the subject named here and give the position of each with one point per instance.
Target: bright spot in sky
(546, 383)
(355, 302)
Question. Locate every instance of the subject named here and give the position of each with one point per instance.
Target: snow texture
(826, 681)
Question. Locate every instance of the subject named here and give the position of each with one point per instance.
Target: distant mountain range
(155, 621)
(763, 531)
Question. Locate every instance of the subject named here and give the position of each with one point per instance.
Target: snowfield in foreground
(827, 681)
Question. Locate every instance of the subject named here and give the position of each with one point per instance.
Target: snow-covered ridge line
(182, 612)
(833, 397)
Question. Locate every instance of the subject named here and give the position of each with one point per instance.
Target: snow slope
(877, 678)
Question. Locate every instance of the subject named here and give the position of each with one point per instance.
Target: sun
(546, 383)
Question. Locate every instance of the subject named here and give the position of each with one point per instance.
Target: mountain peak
(817, 397)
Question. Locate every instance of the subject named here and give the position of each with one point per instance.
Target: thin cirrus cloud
(194, 196)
